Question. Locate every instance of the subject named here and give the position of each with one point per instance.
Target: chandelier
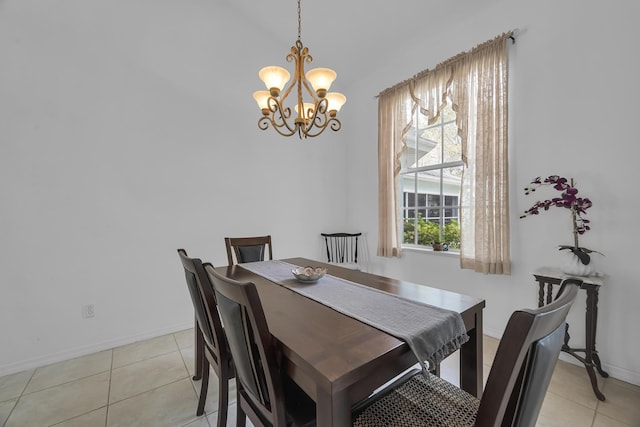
(313, 114)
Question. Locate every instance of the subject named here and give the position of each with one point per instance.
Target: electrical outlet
(88, 311)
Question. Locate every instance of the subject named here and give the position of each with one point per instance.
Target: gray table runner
(431, 332)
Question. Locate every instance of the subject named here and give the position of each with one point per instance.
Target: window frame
(413, 174)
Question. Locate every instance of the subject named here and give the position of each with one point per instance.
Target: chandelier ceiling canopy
(315, 107)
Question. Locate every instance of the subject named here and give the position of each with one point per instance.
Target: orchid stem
(575, 226)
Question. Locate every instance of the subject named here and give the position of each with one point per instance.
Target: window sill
(428, 250)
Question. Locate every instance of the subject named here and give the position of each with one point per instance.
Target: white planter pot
(572, 265)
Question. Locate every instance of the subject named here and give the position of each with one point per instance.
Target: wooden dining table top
(338, 360)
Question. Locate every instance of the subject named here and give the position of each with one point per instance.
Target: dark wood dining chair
(265, 394)
(515, 389)
(211, 345)
(247, 249)
(342, 249)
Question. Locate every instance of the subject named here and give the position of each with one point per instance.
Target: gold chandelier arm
(322, 106)
(277, 116)
(318, 122)
(336, 125)
(299, 55)
(313, 131)
(295, 57)
(263, 124)
(310, 90)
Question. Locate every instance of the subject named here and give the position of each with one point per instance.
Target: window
(431, 128)
(430, 180)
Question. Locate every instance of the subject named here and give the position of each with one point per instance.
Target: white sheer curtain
(480, 90)
(394, 119)
(476, 83)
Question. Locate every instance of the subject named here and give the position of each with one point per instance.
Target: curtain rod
(511, 35)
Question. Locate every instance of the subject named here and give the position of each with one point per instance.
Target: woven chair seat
(421, 402)
(514, 390)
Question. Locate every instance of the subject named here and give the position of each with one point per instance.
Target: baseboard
(616, 372)
(622, 374)
(493, 333)
(37, 362)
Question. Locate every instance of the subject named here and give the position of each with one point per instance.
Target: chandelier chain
(299, 21)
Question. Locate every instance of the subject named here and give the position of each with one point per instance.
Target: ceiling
(339, 32)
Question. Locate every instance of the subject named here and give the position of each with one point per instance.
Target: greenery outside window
(431, 179)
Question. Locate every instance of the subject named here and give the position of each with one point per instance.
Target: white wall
(573, 112)
(128, 130)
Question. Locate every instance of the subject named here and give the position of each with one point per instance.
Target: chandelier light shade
(274, 78)
(321, 79)
(336, 101)
(314, 106)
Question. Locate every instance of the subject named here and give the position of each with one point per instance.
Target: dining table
(339, 360)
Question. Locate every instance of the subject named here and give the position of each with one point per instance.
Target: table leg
(598, 365)
(594, 323)
(471, 379)
(333, 409)
(591, 357)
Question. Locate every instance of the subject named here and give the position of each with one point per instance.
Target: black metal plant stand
(591, 285)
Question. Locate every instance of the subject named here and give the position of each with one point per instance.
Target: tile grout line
(95, 409)
(106, 416)
(146, 391)
(146, 358)
(184, 363)
(193, 385)
(189, 377)
(601, 387)
(63, 383)
(77, 416)
(152, 389)
(19, 398)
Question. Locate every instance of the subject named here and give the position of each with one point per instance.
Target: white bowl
(309, 274)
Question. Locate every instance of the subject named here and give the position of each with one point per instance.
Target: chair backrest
(342, 248)
(247, 249)
(204, 305)
(252, 347)
(524, 362)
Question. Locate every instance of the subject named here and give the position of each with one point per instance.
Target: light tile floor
(149, 384)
